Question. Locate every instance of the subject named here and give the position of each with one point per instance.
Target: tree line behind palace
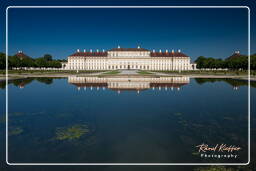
(235, 61)
(22, 60)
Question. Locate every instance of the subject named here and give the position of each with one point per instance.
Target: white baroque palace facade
(129, 58)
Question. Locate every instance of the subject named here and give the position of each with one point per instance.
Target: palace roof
(235, 55)
(128, 49)
(167, 84)
(90, 54)
(90, 84)
(167, 54)
(21, 55)
(152, 54)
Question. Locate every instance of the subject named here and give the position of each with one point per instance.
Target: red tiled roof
(167, 54)
(152, 54)
(128, 89)
(90, 84)
(128, 49)
(235, 55)
(167, 84)
(90, 54)
(21, 55)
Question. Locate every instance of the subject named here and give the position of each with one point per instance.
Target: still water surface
(85, 120)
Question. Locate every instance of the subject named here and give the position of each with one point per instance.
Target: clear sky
(208, 32)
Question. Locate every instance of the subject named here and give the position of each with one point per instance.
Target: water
(124, 120)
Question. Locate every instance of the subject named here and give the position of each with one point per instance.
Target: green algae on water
(215, 168)
(177, 114)
(16, 114)
(15, 131)
(72, 132)
(195, 153)
(2, 119)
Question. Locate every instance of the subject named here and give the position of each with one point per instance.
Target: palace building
(129, 58)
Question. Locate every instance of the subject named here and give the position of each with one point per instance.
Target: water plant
(195, 153)
(2, 119)
(215, 168)
(178, 114)
(72, 132)
(15, 131)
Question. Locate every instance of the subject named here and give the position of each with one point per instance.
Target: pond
(125, 120)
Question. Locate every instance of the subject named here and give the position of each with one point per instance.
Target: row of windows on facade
(159, 64)
(152, 60)
(88, 60)
(125, 63)
(158, 61)
(122, 55)
(102, 80)
(132, 67)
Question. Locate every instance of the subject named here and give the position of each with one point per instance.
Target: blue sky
(208, 32)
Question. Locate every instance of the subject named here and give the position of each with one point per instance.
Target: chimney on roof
(237, 52)
(138, 47)
(166, 51)
(160, 50)
(179, 50)
(78, 50)
(97, 50)
(84, 50)
(154, 50)
(90, 50)
(172, 51)
(118, 47)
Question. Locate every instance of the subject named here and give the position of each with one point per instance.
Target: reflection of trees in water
(25, 81)
(45, 80)
(2, 84)
(230, 81)
(22, 82)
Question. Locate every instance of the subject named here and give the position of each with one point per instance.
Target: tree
(27, 62)
(2, 61)
(48, 57)
(41, 62)
(200, 61)
(54, 64)
(14, 61)
(253, 61)
(240, 62)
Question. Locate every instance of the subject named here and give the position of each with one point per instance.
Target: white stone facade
(129, 58)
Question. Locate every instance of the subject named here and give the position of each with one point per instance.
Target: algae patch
(15, 131)
(178, 114)
(72, 132)
(2, 119)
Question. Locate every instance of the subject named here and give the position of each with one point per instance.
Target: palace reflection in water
(122, 83)
(129, 83)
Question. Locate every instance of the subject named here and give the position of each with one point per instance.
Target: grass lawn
(143, 72)
(112, 72)
(229, 72)
(44, 72)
